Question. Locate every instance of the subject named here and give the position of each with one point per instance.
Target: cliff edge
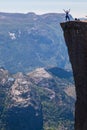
(75, 33)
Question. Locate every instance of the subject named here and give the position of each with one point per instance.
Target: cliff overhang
(75, 34)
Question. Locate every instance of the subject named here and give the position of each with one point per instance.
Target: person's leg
(68, 18)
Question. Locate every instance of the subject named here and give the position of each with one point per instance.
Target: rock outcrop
(40, 99)
(75, 33)
(20, 106)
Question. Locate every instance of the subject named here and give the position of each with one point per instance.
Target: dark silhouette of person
(67, 14)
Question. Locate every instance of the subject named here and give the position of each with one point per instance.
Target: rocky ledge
(75, 33)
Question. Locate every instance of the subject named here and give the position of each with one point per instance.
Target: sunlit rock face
(75, 33)
(20, 105)
(30, 101)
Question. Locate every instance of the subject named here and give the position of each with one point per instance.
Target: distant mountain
(84, 18)
(36, 100)
(29, 41)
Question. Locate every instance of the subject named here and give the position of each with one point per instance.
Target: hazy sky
(78, 7)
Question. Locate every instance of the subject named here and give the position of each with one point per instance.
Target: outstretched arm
(64, 10)
(69, 10)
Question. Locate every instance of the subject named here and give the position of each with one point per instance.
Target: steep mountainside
(75, 33)
(28, 41)
(36, 100)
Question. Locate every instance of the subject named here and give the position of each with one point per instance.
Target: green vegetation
(57, 112)
(37, 41)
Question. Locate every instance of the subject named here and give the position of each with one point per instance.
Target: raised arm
(64, 10)
(69, 10)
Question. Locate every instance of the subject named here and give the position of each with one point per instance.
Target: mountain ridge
(30, 41)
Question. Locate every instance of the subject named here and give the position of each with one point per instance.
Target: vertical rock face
(75, 33)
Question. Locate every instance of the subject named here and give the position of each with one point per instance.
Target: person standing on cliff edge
(67, 14)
